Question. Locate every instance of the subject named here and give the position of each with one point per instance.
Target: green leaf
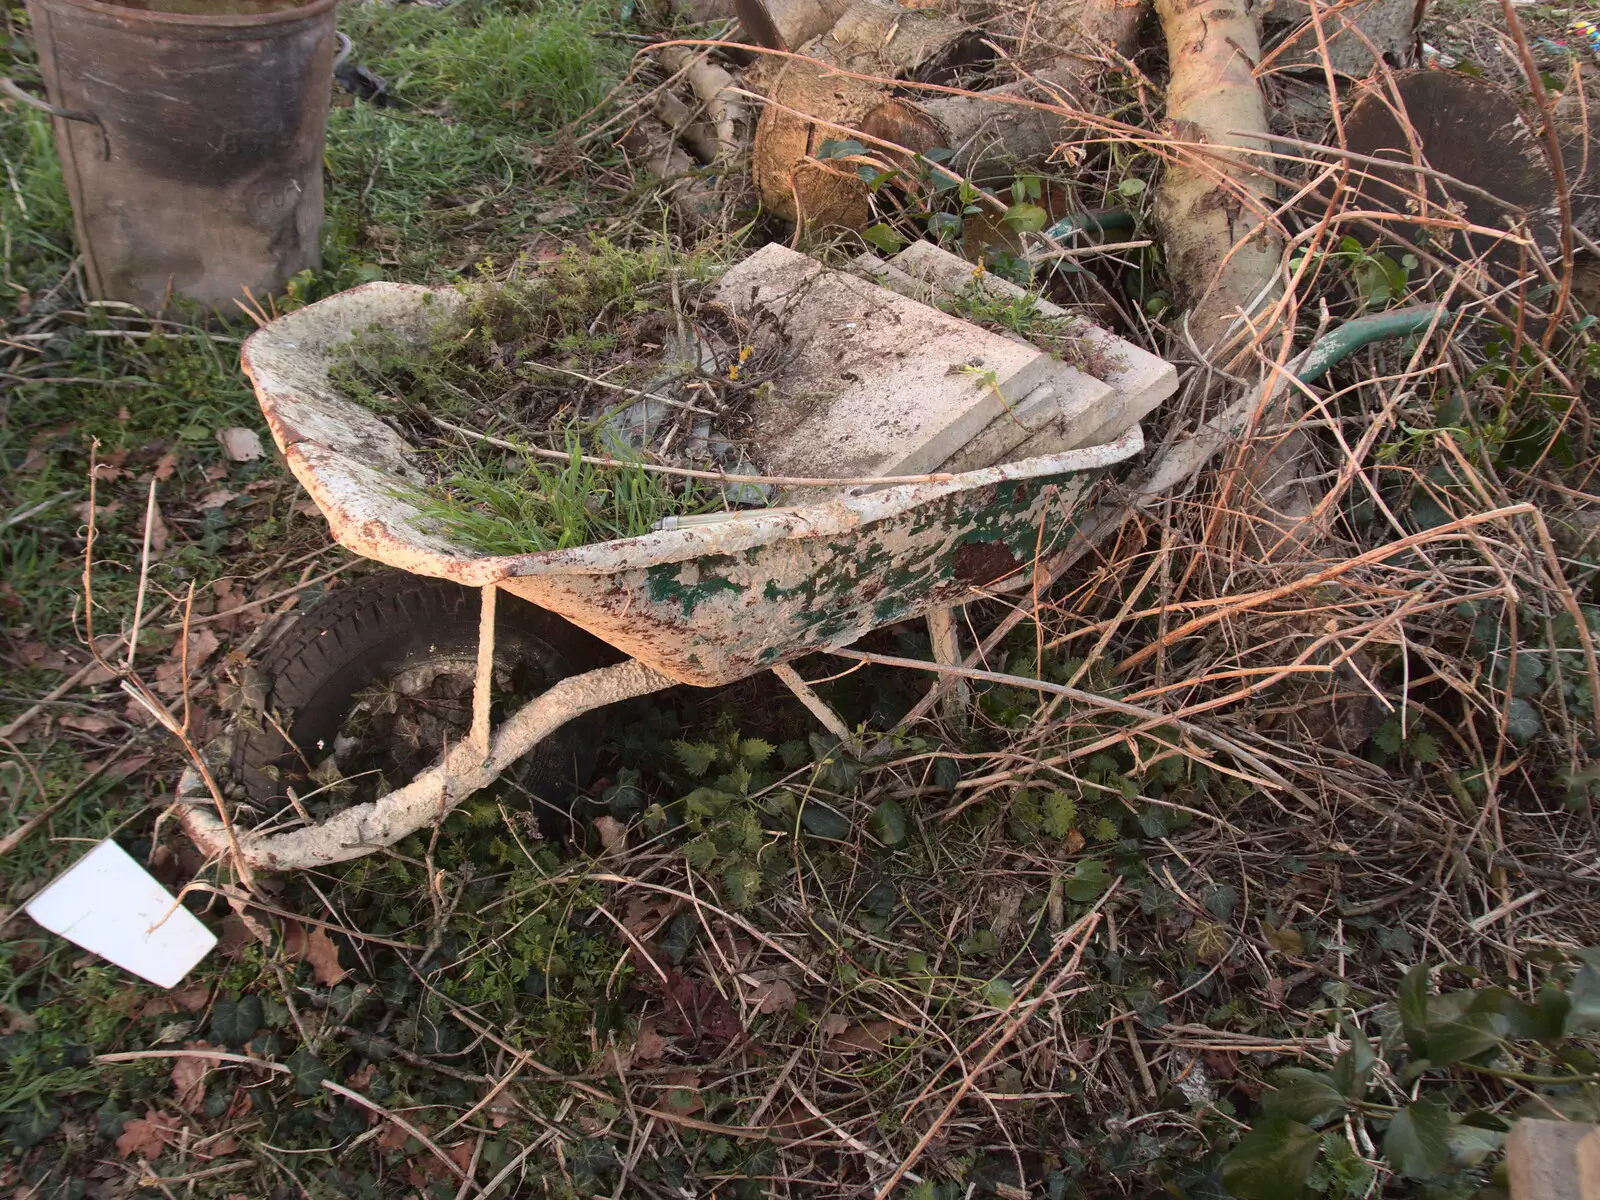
(980, 945)
(943, 224)
(1424, 748)
(756, 751)
(997, 993)
(1353, 1068)
(888, 824)
(1522, 721)
(821, 821)
(1470, 1144)
(1026, 218)
(840, 148)
(1088, 880)
(1386, 737)
(1059, 813)
(309, 1071)
(1457, 1040)
(1307, 1097)
(884, 237)
(1417, 1143)
(1414, 1009)
(1271, 1162)
(234, 1024)
(1583, 1001)
(708, 802)
(1131, 187)
(696, 757)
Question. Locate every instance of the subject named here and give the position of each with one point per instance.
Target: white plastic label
(110, 905)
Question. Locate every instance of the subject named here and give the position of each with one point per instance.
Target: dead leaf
(240, 444)
(189, 1078)
(1005, 902)
(203, 644)
(613, 834)
(89, 723)
(644, 913)
(361, 1079)
(191, 999)
(165, 466)
(101, 511)
(109, 473)
(862, 1037)
(776, 996)
(217, 498)
(394, 1138)
(683, 1096)
(1074, 841)
(42, 657)
(215, 471)
(32, 461)
(147, 1136)
(158, 530)
(128, 765)
(316, 948)
(649, 1045)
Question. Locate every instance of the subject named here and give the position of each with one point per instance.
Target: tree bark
(1222, 254)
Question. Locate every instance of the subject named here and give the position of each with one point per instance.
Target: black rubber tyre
(391, 623)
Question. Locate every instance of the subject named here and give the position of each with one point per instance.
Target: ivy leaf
(1418, 1141)
(1522, 721)
(884, 237)
(1088, 880)
(821, 821)
(1272, 1161)
(234, 1024)
(840, 148)
(309, 1071)
(1306, 1097)
(888, 824)
(1414, 1009)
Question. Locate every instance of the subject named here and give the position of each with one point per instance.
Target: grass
(509, 503)
(781, 975)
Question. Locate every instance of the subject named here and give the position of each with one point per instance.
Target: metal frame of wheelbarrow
(703, 605)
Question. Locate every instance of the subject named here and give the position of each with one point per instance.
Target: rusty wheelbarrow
(702, 604)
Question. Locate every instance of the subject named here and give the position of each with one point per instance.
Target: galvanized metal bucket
(191, 144)
(704, 604)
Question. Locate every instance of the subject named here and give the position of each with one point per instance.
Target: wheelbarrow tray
(704, 604)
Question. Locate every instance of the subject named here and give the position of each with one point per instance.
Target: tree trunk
(1222, 254)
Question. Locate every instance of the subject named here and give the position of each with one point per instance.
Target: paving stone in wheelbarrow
(1140, 380)
(874, 383)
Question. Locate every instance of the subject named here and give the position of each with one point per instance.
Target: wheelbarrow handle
(10, 88)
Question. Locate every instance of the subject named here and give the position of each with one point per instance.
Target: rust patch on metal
(979, 563)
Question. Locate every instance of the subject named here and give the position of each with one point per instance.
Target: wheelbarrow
(703, 604)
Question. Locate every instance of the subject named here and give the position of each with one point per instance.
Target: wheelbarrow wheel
(379, 676)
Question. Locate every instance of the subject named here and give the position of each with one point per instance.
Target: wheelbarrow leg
(831, 721)
(947, 652)
(483, 685)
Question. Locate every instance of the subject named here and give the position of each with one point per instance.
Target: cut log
(713, 87)
(788, 24)
(1222, 254)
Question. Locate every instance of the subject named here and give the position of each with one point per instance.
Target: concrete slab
(874, 384)
(1141, 380)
